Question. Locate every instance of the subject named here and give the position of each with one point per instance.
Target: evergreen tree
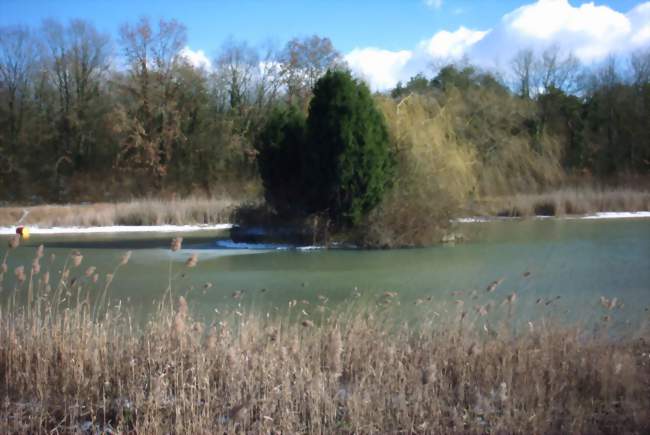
(347, 161)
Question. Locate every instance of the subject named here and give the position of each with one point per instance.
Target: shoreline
(605, 215)
(129, 229)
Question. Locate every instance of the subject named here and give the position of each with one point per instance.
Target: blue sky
(399, 32)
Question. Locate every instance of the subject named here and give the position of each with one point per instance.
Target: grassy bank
(569, 201)
(69, 364)
(192, 210)
(200, 210)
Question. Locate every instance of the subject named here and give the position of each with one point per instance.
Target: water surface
(565, 265)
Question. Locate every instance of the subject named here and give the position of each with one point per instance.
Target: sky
(383, 41)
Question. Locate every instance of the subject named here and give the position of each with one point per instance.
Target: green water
(575, 260)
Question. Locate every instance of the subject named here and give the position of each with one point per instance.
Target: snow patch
(618, 215)
(601, 215)
(119, 229)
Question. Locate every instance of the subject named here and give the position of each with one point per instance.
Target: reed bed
(569, 201)
(146, 211)
(73, 361)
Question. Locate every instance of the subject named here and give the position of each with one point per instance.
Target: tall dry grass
(563, 202)
(146, 211)
(69, 367)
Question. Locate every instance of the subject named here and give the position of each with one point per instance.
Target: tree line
(86, 117)
(598, 115)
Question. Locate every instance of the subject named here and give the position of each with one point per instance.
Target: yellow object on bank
(24, 232)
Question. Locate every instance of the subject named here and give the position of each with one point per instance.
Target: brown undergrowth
(74, 363)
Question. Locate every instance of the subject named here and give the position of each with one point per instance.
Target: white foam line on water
(119, 229)
(478, 219)
(229, 244)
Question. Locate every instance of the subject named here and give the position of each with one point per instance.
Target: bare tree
(77, 58)
(556, 71)
(18, 57)
(237, 68)
(522, 68)
(269, 82)
(640, 63)
(90, 53)
(150, 124)
(152, 52)
(304, 61)
(608, 76)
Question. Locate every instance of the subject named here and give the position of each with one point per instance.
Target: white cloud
(591, 32)
(197, 58)
(640, 19)
(436, 4)
(381, 68)
(547, 19)
(446, 44)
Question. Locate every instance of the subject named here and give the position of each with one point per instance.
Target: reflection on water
(570, 263)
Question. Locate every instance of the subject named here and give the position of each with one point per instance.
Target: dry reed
(69, 366)
(192, 210)
(569, 201)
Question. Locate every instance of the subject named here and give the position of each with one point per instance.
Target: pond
(560, 264)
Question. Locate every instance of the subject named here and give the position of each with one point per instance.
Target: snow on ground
(119, 229)
(619, 215)
(600, 215)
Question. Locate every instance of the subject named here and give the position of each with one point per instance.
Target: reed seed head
(192, 261)
(176, 244)
(125, 258)
(211, 339)
(183, 308)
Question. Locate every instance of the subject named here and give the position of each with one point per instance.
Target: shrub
(436, 175)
